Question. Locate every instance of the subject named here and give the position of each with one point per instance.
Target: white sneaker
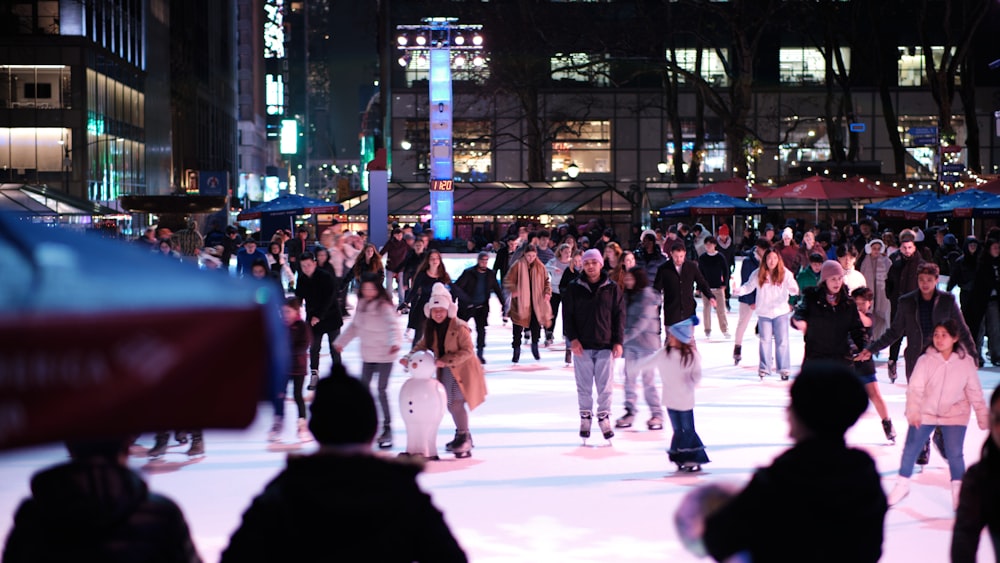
(899, 491)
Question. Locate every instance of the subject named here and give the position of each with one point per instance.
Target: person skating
(943, 388)
(679, 364)
(300, 339)
(863, 298)
(676, 280)
(318, 290)
(527, 283)
(594, 322)
(773, 285)
(642, 338)
(374, 324)
(473, 288)
(829, 319)
(450, 340)
(979, 499)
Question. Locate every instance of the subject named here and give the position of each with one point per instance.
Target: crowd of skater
(629, 310)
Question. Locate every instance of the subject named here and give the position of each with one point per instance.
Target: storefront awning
(43, 201)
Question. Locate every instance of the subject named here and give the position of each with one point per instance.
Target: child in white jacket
(375, 324)
(943, 389)
(679, 364)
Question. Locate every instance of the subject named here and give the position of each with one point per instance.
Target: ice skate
(303, 431)
(784, 375)
(604, 422)
(569, 358)
(385, 439)
(313, 379)
(517, 355)
(534, 350)
(899, 491)
(462, 447)
(626, 420)
(159, 447)
(737, 354)
(275, 433)
(586, 419)
(925, 454)
(655, 423)
(956, 490)
(762, 373)
(181, 437)
(891, 367)
(451, 445)
(890, 432)
(690, 467)
(197, 448)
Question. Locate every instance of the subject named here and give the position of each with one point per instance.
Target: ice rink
(530, 491)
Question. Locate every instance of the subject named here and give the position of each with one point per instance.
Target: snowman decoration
(422, 404)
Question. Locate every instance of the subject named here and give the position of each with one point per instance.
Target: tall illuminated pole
(438, 37)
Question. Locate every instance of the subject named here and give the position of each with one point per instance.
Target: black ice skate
(626, 420)
(604, 422)
(925, 454)
(451, 445)
(891, 367)
(160, 447)
(197, 446)
(385, 439)
(737, 354)
(655, 422)
(890, 432)
(462, 447)
(313, 379)
(586, 419)
(689, 467)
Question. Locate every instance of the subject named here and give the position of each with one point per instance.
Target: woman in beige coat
(527, 283)
(459, 370)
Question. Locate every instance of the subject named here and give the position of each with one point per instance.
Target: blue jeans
(686, 444)
(593, 369)
(776, 328)
(954, 439)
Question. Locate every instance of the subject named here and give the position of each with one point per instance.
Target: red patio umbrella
(992, 186)
(819, 187)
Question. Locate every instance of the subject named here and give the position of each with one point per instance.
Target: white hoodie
(772, 299)
(377, 325)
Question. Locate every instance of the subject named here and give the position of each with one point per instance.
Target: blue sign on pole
(856, 127)
(923, 141)
(922, 131)
(213, 183)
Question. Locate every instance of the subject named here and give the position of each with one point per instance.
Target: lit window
(912, 71)
(471, 147)
(464, 67)
(806, 66)
(580, 67)
(584, 143)
(712, 69)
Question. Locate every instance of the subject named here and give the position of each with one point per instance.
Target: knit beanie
(343, 411)
(724, 230)
(441, 298)
(787, 234)
(830, 269)
(684, 330)
(593, 254)
(828, 398)
(907, 235)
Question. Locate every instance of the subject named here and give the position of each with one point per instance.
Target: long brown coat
(460, 355)
(520, 277)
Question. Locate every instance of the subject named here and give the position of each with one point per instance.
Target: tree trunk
(967, 92)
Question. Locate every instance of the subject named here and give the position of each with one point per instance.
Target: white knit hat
(441, 298)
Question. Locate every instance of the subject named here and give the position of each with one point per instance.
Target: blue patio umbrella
(713, 204)
(897, 206)
(101, 338)
(960, 205)
(290, 205)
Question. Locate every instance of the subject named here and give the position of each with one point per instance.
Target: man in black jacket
(676, 279)
(594, 324)
(318, 289)
(473, 289)
(901, 279)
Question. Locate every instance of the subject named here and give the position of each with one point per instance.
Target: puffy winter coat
(772, 299)
(642, 321)
(460, 356)
(944, 391)
(97, 510)
(375, 322)
(531, 284)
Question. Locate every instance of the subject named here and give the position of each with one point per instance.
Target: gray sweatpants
(594, 369)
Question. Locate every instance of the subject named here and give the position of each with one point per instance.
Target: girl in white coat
(774, 284)
(942, 390)
(375, 324)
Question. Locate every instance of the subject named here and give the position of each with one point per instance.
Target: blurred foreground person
(94, 508)
(820, 501)
(979, 502)
(335, 496)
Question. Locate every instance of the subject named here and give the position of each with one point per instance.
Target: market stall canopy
(735, 187)
(992, 186)
(290, 205)
(180, 204)
(960, 205)
(42, 201)
(821, 187)
(103, 338)
(897, 206)
(713, 204)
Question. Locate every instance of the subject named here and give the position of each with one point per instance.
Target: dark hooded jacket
(963, 272)
(345, 508)
(97, 510)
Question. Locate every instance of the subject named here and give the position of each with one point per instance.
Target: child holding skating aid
(679, 364)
